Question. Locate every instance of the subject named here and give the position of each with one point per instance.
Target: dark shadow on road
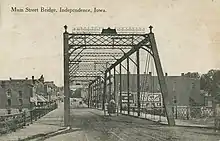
(58, 133)
(49, 122)
(42, 137)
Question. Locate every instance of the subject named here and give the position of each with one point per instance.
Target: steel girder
(102, 40)
(76, 43)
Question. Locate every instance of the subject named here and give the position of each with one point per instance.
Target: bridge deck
(92, 125)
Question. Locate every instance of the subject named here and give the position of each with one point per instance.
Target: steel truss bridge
(91, 59)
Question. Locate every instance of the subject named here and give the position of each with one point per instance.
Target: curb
(37, 136)
(51, 134)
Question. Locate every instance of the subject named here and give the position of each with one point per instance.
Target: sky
(187, 33)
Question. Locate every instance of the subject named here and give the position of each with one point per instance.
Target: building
(51, 90)
(183, 91)
(19, 94)
(15, 94)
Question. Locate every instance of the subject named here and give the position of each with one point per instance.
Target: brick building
(183, 90)
(18, 94)
(51, 90)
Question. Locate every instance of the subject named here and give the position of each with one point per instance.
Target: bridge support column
(100, 92)
(120, 89)
(110, 85)
(89, 96)
(93, 94)
(66, 79)
(104, 93)
(114, 94)
(96, 93)
(128, 85)
(162, 81)
(138, 82)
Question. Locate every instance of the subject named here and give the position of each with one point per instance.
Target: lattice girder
(105, 40)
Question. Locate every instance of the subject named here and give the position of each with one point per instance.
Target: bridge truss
(90, 58)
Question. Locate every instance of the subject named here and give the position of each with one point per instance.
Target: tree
(210, 82)
(192, 75)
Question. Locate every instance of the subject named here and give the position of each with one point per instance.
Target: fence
(191, 115)
(12, 122)
(192, 112)
(180, 112)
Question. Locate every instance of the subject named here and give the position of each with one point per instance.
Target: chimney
(182, 74)
(166, 74)
(33, 81)
(150, 73)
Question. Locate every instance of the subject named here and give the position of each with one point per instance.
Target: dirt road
(91, 125)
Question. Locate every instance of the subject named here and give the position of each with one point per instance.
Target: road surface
(91, 125)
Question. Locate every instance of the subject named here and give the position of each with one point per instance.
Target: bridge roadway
(92, 125)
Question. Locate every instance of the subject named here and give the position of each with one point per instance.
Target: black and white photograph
(110, 70)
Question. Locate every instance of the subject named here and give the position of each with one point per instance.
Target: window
(20, 93)
(9, 102)
(9, 111)
(174, 86)
(20, 102)
(193, 85)
(9, 92)
(174, 100)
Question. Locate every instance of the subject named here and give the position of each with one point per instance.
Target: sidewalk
(163, 120)
(49, 123)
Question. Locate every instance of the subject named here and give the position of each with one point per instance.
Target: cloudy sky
(187, 33)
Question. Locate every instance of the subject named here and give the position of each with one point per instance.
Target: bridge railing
(180, 112)
(12, 122)
(196, 115)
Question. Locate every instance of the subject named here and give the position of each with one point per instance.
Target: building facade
(182, 91)
(20, 94)
(51, 90)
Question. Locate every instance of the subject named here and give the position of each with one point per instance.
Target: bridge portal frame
(134, 42)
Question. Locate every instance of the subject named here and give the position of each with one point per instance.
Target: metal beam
(89, 95)
(129, 57)
(162, 81)
(110, 85)
(66, 79)
(104, 93)
(86, 76)
(114, 83)
(120, 87)
(77, 80)
(128, 86)
(138, 81)
(126, 55)
(101, 54)
(95, 61)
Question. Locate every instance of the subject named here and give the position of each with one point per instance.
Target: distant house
(51, 90)
(182, 91)
(208, 99)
